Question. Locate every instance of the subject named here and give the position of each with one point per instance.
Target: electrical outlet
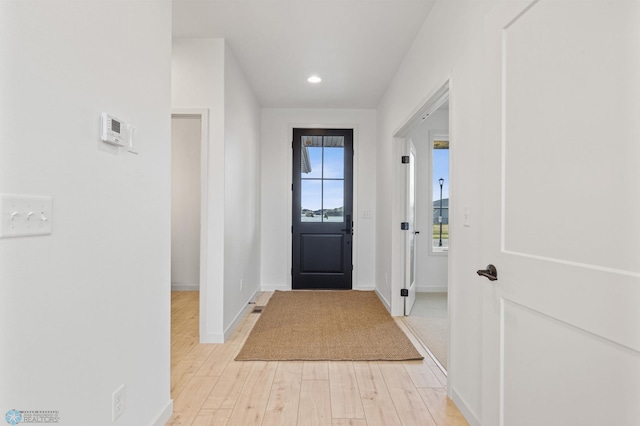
(117, 403)
(241, 280)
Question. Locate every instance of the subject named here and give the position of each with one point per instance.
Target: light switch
(22, 215)
(466, 217)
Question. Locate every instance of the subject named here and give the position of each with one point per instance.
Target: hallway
(209, 388)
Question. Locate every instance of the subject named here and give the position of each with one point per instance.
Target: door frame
(203, 114)
(430, 104)
(354, 242)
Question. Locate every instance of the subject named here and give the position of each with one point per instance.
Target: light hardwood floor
(209, 388)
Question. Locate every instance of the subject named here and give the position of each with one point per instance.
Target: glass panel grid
(322, 179)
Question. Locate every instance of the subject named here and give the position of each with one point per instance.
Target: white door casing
(561, 326)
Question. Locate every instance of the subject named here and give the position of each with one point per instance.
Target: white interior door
(561, 343)
(410, 239)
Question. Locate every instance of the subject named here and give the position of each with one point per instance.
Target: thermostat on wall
(114, 131)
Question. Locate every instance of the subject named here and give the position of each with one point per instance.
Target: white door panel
(411, 240)
(562, 170)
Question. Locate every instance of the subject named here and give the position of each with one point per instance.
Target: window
(322, 179)
(440, 185)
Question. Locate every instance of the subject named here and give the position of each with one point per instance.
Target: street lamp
(441, 182)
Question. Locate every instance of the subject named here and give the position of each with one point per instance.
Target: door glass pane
(311, 196)
(440, 167)
(311, 157)
(333, 200)
(333, 157)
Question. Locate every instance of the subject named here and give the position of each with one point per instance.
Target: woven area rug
(326, 325)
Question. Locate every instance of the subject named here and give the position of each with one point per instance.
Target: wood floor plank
(421, 375)
(254, 396)
(203, 420)
(315, 403)
(409, 405)
(345, 395)
(187, 367)
(376, 400)
(215, 364)
(349, 422)
(282, 408)
(315, 370)
(227, 390)
(443, 410)
(188, 404)
(220, 417)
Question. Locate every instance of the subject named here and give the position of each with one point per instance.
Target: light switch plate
(22, 215)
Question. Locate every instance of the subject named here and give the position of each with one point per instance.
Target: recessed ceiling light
(314, 79)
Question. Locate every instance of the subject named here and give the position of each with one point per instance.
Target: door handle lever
(491, 273)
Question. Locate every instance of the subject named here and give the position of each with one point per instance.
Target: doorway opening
(322, 209)
(427, 249)
(189, 147)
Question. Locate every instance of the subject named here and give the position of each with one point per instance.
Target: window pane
(311, 197)
(440, 195)
(311, 157)
(333, 198)
(333, 157)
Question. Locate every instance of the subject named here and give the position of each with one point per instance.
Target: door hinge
(405, 159)
(404, 226)
(404, 292)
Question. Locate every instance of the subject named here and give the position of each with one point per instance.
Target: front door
(322, 208)
(561, 338)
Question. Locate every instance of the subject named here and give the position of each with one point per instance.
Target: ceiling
(355, 46)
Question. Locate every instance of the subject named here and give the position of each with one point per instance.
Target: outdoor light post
(441, 182)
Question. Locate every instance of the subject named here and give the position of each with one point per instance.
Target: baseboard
(239, 316)
(364, 288)
(383, 300)
(464, 408)
(164, 415)
(274, 288)
(444, 289)
(180, 287)
(211, 337)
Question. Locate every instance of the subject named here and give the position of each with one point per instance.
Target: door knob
(491, 273)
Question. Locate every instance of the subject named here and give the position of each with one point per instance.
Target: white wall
(242, 122)
(431, 268)
(277, 125)
(448, 45)
(197, 81)
(86, 309)
(185, 202)
(206, 75)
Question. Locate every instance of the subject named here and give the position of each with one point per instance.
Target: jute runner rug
(326, 325)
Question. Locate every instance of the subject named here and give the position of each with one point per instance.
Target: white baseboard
(464, 408)
(432, 289)
(274, 288)
(165, 415)
(183, 287)
(383, 300)
(211, 337)
(364, 288)
(239, 316)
